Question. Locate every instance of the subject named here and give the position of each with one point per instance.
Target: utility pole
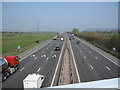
(37, 27)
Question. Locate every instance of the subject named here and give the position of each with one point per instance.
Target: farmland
(26, 40)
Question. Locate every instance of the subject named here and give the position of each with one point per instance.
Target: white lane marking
(99, 53)
(108, 68)
(22, 69)
(47, 58)
(89, 52)
(81, 51)
(96, 57)
(33, 55)
(35, 51)
(85, 57)
(38, 69)
(35, 58)
(47, 48)
(78, 48)
(54, 56)
(57, 65)
(91, 66)
(52, 52)
(85, 48)
(43, 55)
(74, 61)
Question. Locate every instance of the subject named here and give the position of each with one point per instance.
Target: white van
(33, 81)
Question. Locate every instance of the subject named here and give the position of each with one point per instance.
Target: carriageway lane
(35, 63)
(91, 65)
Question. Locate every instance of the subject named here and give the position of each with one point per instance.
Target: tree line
(108, 42)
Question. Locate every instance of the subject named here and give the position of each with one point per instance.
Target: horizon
(59, 16)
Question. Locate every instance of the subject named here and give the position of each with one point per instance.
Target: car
(77, 42)
(57, 48)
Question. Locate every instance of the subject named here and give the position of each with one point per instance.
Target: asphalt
(35, 63)
(91, 65)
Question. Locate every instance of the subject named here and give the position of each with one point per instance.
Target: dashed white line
(108, 68)
(81, 51)
(52, 52)
(35, 58)
(47, 58)
(38, 69)
(91, 66)
(85, 48)
(54, 56)
(22, 69)
(99, 52)
(33, 55)
(89, 52)
(85, 57)
(96, 57)
(43, 55)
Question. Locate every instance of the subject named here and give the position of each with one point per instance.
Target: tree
(75, 30)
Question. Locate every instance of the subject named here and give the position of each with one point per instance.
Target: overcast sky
(58, 16)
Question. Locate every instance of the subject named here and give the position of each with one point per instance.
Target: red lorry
(13, 63)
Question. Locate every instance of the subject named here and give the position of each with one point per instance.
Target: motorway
(43, 61)
(91, 64)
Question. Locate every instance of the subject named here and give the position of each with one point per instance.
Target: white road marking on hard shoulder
(85, 57)
(22, 69)
(91, 66)
(108, 68)
(35, 51)
(96, 57)
(38, 69)
(35, 58)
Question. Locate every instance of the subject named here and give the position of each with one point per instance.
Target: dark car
(77, 42)
(57, 48)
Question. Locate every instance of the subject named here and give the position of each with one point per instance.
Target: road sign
(18, 47)
(114, 49)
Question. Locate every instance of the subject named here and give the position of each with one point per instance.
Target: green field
(10, 41)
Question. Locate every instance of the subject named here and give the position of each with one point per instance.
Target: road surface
(92, 65)
(43, 61)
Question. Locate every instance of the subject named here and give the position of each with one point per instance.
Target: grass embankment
(10, 41)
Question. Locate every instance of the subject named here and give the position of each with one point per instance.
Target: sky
(58, 16)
